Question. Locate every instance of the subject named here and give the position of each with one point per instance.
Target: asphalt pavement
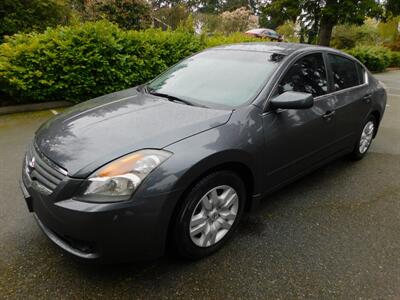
(333, 234)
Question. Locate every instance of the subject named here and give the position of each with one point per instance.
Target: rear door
(353, 98)
(298, 139)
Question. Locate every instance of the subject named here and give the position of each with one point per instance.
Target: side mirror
(292, 100)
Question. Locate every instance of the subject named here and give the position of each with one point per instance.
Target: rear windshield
(226, 78)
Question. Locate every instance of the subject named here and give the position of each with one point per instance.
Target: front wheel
(209, 215)
(365, 138)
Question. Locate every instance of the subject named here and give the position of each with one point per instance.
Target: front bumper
(112, 232)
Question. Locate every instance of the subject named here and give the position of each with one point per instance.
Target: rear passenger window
(361, 73)
(307, 75)
(345, 73)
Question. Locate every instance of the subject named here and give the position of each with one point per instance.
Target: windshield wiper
(173, 98)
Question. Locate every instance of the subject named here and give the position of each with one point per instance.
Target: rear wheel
(209, 215)
(365, 138)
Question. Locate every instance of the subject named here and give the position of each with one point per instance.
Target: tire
(211, 222)
(366, 136)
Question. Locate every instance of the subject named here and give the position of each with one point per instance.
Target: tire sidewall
(356, 152)
(183, 241)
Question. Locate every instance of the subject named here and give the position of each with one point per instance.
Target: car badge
(32, 162)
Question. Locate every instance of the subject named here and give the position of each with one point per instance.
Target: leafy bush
(289, 32)
(395, 45)
(348, 36)
(23, 16)
(376, 58)
(388, 29)
(80, 62)
(233, 38)
(395, 59)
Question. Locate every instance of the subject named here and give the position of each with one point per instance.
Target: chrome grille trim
(44, 174)
(48, 162)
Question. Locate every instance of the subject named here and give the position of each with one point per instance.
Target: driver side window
(307, 75)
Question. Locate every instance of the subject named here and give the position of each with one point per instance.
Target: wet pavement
(333, 234)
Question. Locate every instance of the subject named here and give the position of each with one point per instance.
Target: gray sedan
(175, 163)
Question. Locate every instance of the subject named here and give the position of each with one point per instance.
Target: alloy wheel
(214, 216)
(366, 136)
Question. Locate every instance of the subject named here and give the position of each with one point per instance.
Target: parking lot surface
(333, 234)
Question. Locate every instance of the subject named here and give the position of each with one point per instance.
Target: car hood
(90, 134)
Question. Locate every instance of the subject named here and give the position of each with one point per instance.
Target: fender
(218, 160)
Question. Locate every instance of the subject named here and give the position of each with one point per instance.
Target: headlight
(119, 179)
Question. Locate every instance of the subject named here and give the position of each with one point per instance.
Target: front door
(298, 139)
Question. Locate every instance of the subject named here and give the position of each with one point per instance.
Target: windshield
(225, 78)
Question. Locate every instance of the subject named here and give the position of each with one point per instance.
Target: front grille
(43, 172)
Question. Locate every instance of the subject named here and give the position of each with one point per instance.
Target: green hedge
(375, 58)
(233, 38)
(395, 59)
(80, 62)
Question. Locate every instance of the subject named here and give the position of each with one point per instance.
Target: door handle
(328, 115)
(367, 98)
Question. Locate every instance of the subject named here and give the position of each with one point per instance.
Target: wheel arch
(377, 116)
(218, 162)
(239, 168)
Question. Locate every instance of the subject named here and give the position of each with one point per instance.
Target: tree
(23, 16)
(240, 19)
(172, 16)
(207, 23)
(392, 7)
(318, 17)
(231, 5)
(171, 3)
(128, 14)
(208, 6)
(277, 12)
(220, 6)
(344, 12)
(288, 30)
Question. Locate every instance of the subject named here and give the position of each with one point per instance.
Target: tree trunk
(325, 31)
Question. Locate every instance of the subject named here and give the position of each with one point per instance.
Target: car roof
(274, 47)
(254, 30)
